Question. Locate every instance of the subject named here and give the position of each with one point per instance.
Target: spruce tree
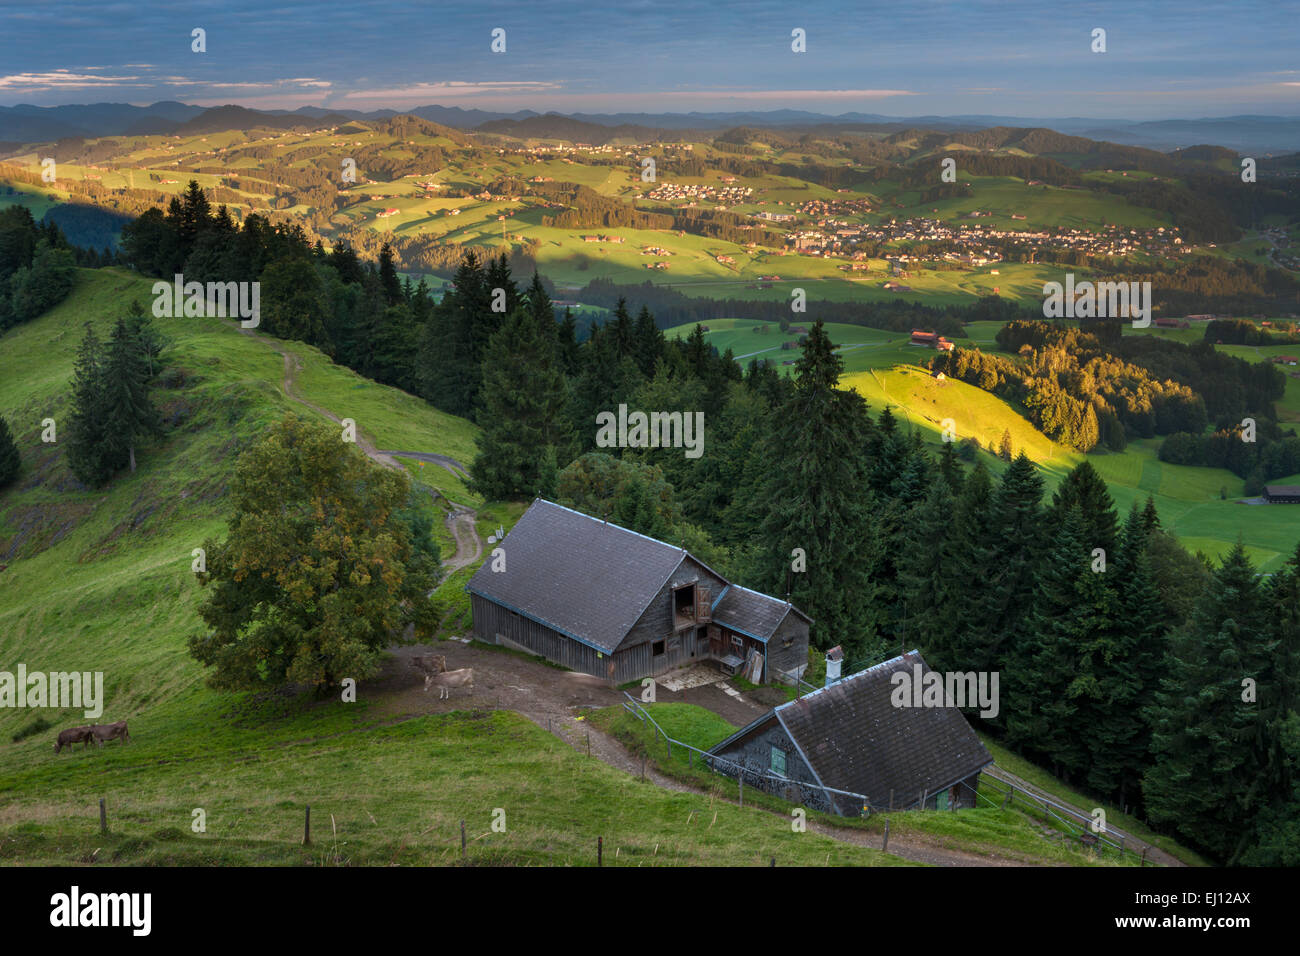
(1040, 698)
(129, 415)
(1276, 841)
(388, 280)
(87, 428)
(961, 627)
(540, 307)
(523, 413)
(1005, 586)
(1086, 489)
(148, 338)
(926, 569)
(10, 461)
(647, 342)
(817, 500)
(1208, 741)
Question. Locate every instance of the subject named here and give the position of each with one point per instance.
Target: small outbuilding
(852, 736)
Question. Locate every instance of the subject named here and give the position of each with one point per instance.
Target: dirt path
(460, 522)
(451, 464)
(291, 368)
(469, 546)
(558, 700)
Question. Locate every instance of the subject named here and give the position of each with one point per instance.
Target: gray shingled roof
(577, 575)
(751, 612)
(857, 740)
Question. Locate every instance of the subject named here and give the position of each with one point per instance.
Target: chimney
(834, 660)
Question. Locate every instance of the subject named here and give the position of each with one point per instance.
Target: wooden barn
(603, 600)
(850, 736)
(1282, 494)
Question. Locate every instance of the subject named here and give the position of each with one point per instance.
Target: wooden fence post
(306, 828)
(690, 759)
(884, 847)
(589, 743)
(741, 781)
(462, 841)
(103, 817)
(600, 851)
(773, 861)
(922, 799)
(1143, 861)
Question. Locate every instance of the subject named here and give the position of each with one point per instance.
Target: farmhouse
(607, 601)
(1282, 494)
(850, 736)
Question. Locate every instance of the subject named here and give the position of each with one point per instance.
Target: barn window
(737, 642)
(778, 761)
(658, 648)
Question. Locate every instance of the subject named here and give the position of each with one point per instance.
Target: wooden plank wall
(495, 624)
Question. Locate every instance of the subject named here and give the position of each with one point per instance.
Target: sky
(1162, 60)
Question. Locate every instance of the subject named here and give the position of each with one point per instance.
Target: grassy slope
(102, 581)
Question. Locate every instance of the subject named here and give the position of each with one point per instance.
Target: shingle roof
(576, 574)
(752, 613)
(857, 740)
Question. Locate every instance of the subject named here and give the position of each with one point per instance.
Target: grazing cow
(430, 666)
(448, 679)
(72, 736)
(103, 732)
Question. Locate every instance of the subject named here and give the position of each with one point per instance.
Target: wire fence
(1076, 825)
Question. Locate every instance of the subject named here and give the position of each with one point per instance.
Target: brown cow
(103, 732)
(72, 736)
(432, 664)
(448, 679)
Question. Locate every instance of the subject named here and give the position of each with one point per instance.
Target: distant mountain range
(40, 124)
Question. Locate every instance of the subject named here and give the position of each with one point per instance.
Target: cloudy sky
(1005, 57)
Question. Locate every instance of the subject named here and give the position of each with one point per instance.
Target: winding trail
(461, 522)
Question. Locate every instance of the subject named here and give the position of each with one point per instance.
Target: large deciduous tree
(320, 570)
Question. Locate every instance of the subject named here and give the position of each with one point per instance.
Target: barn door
(703, 605)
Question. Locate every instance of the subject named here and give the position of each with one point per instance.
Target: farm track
(556, 699)
(461, 519)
